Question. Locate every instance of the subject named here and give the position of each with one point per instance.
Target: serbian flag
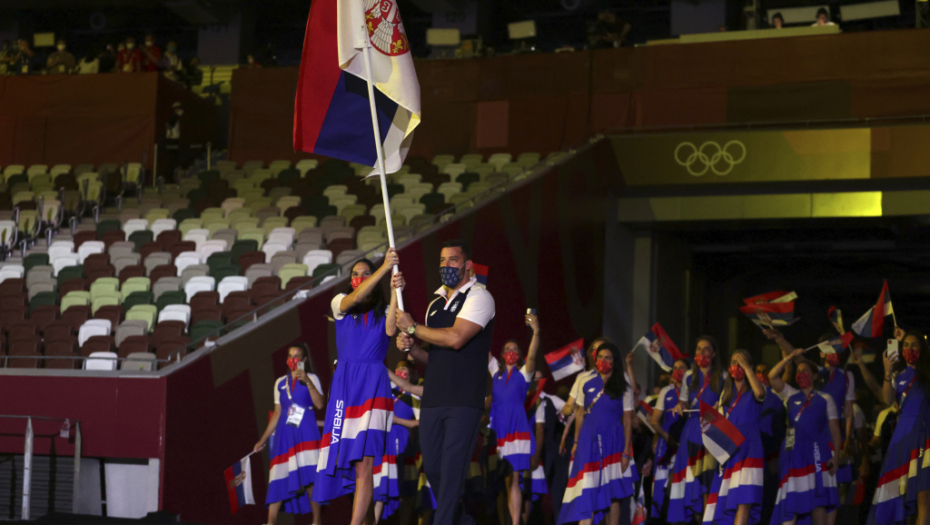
(239, 484)
(661, 347)
(332, 115)
(567, 360)
(836, 319)
(836, 345)
(639, 510)
(873, 322)
(530, 403)
(721, 438)
(771, 309)
(644, 413)
(481, 273)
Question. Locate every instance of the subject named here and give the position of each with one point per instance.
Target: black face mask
(450, 276)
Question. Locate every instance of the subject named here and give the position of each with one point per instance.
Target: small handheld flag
(567, 360)
(480, 273)
(661, 347)
(539, 390)
(873, 322)
(771, 309)
(836, 345)
(721, 438)
(639, 510)
(836, 319)
(239, 484)
(644, 413)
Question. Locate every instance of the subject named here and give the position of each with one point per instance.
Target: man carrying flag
(873, 322)
(661, 347)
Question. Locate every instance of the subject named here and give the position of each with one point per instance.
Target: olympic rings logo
(710, 156)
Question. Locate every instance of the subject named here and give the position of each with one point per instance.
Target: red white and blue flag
(721, 438)
(332, 115)
(661, 347)
(873, 322)
(481, 273)
(771, 309)
(644, 413)
(837, 345)
(639, 510)
(239, 484)
(836, 319)
(567, 360)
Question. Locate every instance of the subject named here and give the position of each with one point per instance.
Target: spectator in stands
(823, 18)
(6, 57)
(107, 59)
(22, 60)
(607, 31)
(129, 59)
(151, 54)
(251, 63)
(191, 75)
(777, 21)
(170, 62)
(60, 61)
(90, 64)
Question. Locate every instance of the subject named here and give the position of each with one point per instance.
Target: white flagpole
(378, 147)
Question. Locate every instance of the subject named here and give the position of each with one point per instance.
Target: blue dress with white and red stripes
(837, 383)
(360, 408)
(805, 482)
(668, 399)
(396, 476)
(693, 471)
(515, 443)
(906, 470)
(597, 478)
(295, 450)
(739, 481)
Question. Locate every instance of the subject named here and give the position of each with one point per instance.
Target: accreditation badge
(789, 439)
(295, 414)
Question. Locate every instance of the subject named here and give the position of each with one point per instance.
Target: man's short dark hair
(823, 11)
(462, 245)
(778, 16)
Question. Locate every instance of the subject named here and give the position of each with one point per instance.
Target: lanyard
(732, 406)
(832, 373)
(906, 390)
(287, 383)
(598, 396)
(508, 376)
(701, 391)
(809, 397)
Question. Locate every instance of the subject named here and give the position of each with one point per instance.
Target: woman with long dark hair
(807, 465)
(663, 417)
(295, 442)
(361, 408)
(904, 486)
(596, 486)
(694, 468)
(515, 443)
(736, 494)
(840, 384)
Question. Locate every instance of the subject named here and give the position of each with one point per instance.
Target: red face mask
(292, 363)
(677, 375)
(764, 379)
(702, 361)
(356, 281)
(604, 367)
(737, 372)
(833, 359)
(911, 355)
(511, 358)
(803, 379)
(402, 373)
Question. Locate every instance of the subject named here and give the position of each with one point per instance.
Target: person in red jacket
(151, 54)
(129, 59)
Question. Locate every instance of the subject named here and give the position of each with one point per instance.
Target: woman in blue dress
(294, 437)
(663, 417)
(736, 494)
(360, 409)
(603, 472)
(807, 465)
(904, 486)
(396, 476)
(516, 441)
(694, 467)
(839, 384)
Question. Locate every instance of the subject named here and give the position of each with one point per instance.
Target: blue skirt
(905, 473)
(805, 481)
(692, 474)
(515, 443)
(294, 452)
(393, 479)
(739, 482)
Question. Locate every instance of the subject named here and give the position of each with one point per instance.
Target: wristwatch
(412, 329)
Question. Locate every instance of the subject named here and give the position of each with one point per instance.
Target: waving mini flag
(531, 403)
(661, 347)
(639, 510)
(332, 114)
(836, 319)
(836, 345)
(873, 322)
(239, 484)
(644, 413)
(480, 273)
(721, 438)
(567, 360)
(771, 309)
